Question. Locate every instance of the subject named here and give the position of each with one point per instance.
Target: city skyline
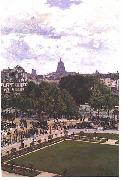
(35, 70)
(35, 34)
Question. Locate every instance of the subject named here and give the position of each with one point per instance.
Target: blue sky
(84, 33)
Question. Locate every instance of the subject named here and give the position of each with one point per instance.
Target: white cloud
(86, 35)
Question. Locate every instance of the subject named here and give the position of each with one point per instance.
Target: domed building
(60, 72)
(60, 67)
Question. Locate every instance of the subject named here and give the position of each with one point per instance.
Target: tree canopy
(63, 98)
(89, 89)
(78, 86)
(102, 97)
(44, 97)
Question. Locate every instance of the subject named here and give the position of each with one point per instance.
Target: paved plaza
(55, 133)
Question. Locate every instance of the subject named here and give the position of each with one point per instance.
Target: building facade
(113, 84)
(13, 80)
(60, 67)
(60, 72)
(33, 77)
(33, 72)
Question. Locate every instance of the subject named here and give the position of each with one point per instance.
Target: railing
(7, 164)
(21, 170)
(29, 149)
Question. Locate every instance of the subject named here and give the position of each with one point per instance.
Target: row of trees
(63, 99)
(102, 97)
(44, 97)
(89, 89)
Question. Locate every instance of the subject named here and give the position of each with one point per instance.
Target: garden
(74, 159)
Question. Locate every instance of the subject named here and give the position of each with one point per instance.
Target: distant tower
(33, 72)
(97, 72)
(60, 67)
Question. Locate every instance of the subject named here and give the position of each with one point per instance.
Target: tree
(102, 97)
(45, 97)
(2, 91)
(97, 99)
(78, 86)
(3, 102)
(70, 105)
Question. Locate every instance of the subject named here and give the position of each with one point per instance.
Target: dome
(60, 67)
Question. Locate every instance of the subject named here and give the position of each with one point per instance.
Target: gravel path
(7, 174)
(43, 174)
(110, 142)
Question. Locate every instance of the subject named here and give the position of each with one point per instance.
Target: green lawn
(110, 136)
(77, 158)
(106, 135)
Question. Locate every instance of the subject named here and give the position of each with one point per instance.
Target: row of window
(12, 84)
(7, 90)
(11, 81)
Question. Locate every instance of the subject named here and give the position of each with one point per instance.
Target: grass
(109, 136)
(106, 135)
(75, 159)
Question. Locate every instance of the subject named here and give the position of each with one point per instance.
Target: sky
(36, 33)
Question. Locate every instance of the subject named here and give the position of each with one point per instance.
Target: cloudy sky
(84, 33)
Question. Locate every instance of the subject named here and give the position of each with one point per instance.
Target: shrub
(21, 170)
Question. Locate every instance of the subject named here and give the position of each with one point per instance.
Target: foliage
(101, 97)
(78, 86)
(103, 135)
(96, 99)
(89, 89)
(62, 99)
(44, 97)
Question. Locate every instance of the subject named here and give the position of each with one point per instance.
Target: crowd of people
(11, 132)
